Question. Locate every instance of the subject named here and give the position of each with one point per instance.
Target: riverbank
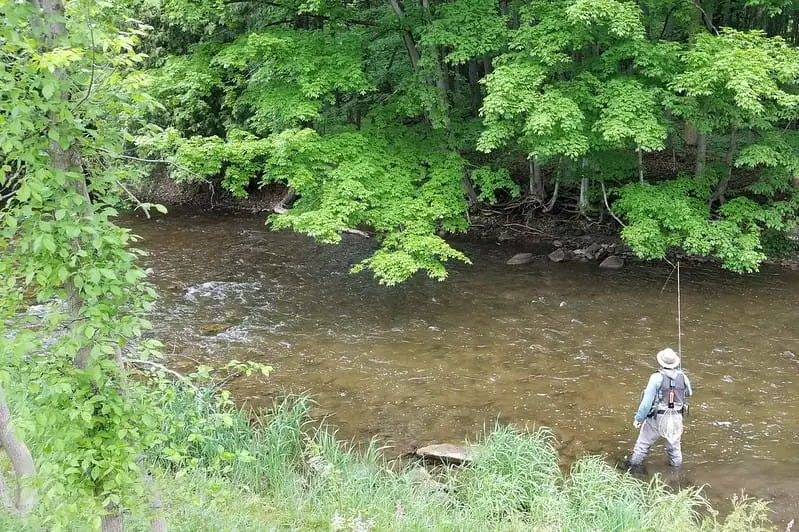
(219, 468)
(514, 222)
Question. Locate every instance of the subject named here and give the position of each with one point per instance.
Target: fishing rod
(676, 267)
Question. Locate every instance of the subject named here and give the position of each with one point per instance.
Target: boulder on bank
(613, 262)
(559, 255)
(520, 258)
(445, 452)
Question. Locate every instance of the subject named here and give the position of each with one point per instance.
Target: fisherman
(662, 408)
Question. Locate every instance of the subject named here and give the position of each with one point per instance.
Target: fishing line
(670, 422)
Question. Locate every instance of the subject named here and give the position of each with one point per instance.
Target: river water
(568, 346)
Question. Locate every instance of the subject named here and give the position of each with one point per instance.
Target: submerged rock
(445, 452)
(520, 258)
(614, 262)
(212, 329)
(559, 255)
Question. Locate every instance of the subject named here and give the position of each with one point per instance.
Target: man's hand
(636, 424)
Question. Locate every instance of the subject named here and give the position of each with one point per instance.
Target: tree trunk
(468, 186)
(668, 117)
(725, 13)
(410, 44)
(701, 154)
(551, 205)
(442, 84)
(691, 134)
(158, 521)
(643, 7)
(488, 66)
(640, 165)
(112, 521)
(21, 460)
(583, 195)
(5, 498)
(285, 203)
(536, 185)
(67, 161)
(721, 189)
(474, 88)
(514, 19)
(442, 75)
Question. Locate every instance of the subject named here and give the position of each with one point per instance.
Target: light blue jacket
(652, 389)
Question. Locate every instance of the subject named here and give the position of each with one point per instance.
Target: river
(568, 346)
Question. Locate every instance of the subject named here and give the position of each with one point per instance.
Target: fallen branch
(526, 228)
(357, 232)
(134, 199)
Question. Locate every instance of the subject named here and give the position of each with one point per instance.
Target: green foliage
(629, 115)
(621, 20)
(469, 28)
(404, 188)
(675, 214)
(512, 472)
(488, 181)
(219, 467)
(332, 99)
(736, 79)
(70, 97)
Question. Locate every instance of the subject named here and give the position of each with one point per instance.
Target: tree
(537, 91)
(71, 92)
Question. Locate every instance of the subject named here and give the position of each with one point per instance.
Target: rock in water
(520, 258)
(592, 252)
(212, 329)
(614, 262)
(445, 452)
(505, 236)
(558, 255)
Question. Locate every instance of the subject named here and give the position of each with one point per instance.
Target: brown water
(567, 346)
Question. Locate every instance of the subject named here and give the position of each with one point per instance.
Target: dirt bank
(516, 221)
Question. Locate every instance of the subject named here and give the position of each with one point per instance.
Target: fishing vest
(671, 393)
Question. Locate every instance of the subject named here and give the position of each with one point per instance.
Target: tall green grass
(219, 468)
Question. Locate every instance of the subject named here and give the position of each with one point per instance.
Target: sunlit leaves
(621, 19)
(738, 78)
(393, 183)
(65, 109)
(675, 214)
(469, 28)
(630, 116)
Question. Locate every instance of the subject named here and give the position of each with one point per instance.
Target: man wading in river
(661, 410)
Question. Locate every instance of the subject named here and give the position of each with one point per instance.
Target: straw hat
(668, 358)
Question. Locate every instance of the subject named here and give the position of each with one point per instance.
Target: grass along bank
(219, 468)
